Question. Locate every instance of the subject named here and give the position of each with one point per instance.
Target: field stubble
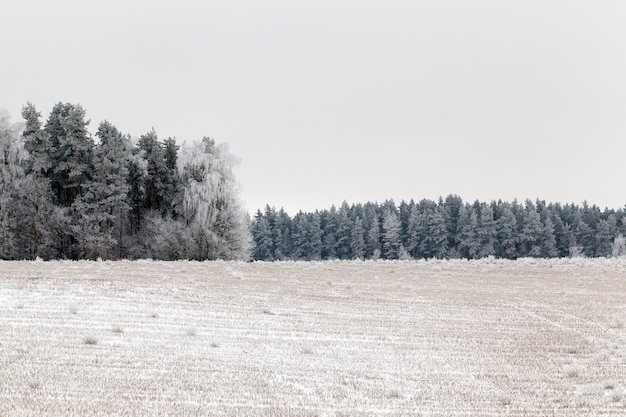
(487, 338)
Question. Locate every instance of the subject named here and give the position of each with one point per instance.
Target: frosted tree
(211, 200)
(372, 233)
(282, 235)
(530, 238)
(469, 246)
(11, 174)
(604, 239)
(262, 236)
(486, 232)
(506, 232)
(618, 248)
(357, 239)
(435, 242)
(137, 178)
(158, 184)
(315, 236)
(414, 231)
(37, 233)
(391, 235)
(329, 221)
(452, 205)
(343, 234)
(301, 237)
(72, 148)
(104, 206)
(548, 239)
(172, 197)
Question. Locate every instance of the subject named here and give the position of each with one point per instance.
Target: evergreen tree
(35, 189)
(452, 206)
(604, 239)
(159, 181)
(391, 235)
(532, 232)
(262, 237)
(344, 233)
(415, 232)
(548, 239)
(72, 150)
(281, 235)
(583, 236)
(372, 232)
(469, 246)
(562, 233)
(329, 223)
(357, 241)
(315, 237)
(506, 227)
(435, 242)
(486, 233)
(104, 207)
(137, 179)
(172, 195)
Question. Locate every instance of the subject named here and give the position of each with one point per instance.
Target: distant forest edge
(447, 228)
(64, 195)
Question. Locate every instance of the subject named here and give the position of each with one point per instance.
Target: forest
(66, 195)
(443, 229)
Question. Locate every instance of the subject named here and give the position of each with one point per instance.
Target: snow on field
(438, 338)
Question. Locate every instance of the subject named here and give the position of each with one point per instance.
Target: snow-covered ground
(485, 338)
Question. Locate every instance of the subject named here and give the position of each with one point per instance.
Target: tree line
(67, 195)
(447, 228)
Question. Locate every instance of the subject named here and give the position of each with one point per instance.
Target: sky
(331, 101)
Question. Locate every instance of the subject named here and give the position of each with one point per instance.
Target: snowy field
(485, 338)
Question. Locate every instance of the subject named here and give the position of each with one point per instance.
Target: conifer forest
(67, 195)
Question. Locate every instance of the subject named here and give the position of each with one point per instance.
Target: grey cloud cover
(357, 100)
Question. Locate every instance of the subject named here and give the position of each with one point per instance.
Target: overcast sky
(326, 101)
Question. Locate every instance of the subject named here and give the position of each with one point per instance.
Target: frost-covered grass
(438, 338)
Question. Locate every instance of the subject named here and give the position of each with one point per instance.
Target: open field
(488, 338)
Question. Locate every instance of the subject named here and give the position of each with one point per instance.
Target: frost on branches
(210, 200)
(64, 195)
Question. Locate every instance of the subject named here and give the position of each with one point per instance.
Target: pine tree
(414, 232)
(469, 246)
(72, 150)
(262, 236)
(435, 241)
(35, 189)
(172, 196)
(391, 235)
(548, 239)
(486, 232)
(604, 239)
(506, 231)
(452, 205)
(532, 232)
(104, 207)
(344, 233)
(357, 239)
(282, 235)
(329, 221)
(158, 185)
(372, 232)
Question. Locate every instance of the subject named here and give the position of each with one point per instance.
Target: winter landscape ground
(437, 338)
